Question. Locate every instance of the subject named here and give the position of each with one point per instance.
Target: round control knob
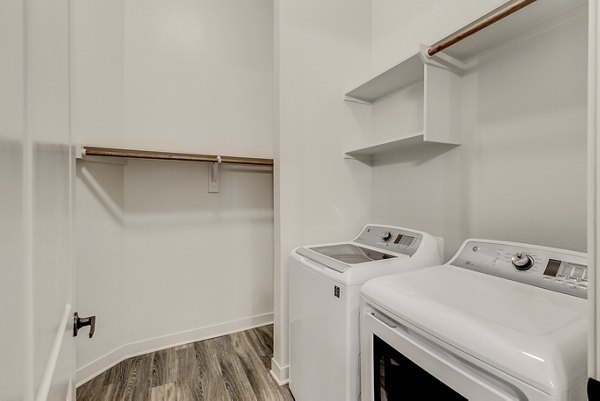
(386, 236)
(522, 261)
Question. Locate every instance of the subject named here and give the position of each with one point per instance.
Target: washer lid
(346, 254)
(535, 335)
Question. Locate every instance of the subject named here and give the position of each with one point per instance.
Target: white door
(36, 344)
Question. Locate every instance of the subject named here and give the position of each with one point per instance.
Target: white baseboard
(280, 374)
(110, 359)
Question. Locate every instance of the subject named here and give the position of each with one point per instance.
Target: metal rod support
(147, 154)
(476, 26)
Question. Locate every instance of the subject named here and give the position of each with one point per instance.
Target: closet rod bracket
(213, 176)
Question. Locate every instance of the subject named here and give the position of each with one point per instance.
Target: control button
(564, 272)
(522, 261)
(386, 236)
(576, 273)
(582, 286)
(475, 248)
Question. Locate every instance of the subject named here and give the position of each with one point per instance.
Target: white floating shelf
(367, 153)
(400, 76)
(385, 146)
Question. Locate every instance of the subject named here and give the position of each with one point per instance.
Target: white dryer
(324, 302)
(501, 321)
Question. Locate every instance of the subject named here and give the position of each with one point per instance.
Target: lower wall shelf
(367, 153)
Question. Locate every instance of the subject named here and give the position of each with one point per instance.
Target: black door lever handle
(79, 322)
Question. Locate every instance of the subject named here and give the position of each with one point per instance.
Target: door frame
(593, 225)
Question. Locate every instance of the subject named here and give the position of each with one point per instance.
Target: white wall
(35, 204)
(520, 173)
(160, 256)
(159, 259)
(400, 27)
(13, 308)
(192, 76)
(322, 49)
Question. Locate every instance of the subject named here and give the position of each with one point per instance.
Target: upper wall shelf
(400, 76)
(441, 104)
(462, 55)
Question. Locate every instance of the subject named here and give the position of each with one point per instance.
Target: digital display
(552, 267)
(404, 240)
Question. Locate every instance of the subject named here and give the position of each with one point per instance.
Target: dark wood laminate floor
(229, 368)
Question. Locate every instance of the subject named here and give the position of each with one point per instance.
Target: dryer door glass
(396, 377)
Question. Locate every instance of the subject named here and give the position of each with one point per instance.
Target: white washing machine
(324, 302)
(500, 321)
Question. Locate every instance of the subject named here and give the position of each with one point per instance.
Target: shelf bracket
(79, 152)
(442, 60)
(213, 176)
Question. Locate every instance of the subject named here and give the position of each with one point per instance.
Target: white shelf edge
(365, 154)
(351, 99)
(384, 146)
(386, 82)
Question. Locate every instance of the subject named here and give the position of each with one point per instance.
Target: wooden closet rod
(190, 157)
(478, 25)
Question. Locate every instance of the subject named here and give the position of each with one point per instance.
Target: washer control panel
(550, 268)
(390, 238)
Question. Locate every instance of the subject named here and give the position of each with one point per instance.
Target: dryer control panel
(550, 268)
(390, 238)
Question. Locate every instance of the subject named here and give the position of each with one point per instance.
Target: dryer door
(397, 362)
